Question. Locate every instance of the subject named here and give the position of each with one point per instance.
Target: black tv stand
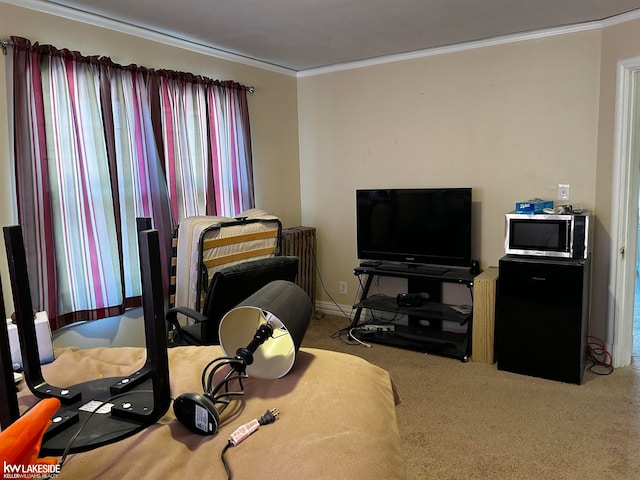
(424, 331)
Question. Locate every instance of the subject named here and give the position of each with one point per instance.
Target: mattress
(207, 244)
(336, 420)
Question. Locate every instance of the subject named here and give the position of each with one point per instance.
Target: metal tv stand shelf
(423, 332)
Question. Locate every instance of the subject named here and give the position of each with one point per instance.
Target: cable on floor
(600, 356)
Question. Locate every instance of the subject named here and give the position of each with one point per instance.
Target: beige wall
(273, 108)
(619, 42)
(510, 121)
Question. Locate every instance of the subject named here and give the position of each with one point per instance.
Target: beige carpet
(470, 421)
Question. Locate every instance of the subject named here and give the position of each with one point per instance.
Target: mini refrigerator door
(542, 317)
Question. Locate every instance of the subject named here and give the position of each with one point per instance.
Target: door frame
(624, 214)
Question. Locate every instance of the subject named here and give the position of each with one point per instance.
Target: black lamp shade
(287, 309)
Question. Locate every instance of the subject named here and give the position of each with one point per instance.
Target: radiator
(301, 242)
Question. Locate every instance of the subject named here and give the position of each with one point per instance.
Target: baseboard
(330, 308)
(620, 357)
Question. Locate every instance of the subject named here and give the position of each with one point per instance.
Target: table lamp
(281, 310)
(260, 337)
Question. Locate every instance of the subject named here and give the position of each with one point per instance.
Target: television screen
(415, 225)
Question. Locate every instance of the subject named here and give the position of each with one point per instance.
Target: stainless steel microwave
(548, 235)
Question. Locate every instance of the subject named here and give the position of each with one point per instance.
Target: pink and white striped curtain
(230, 142)
(89, 161)
(140, 185)
(207, 146)
(186, 150)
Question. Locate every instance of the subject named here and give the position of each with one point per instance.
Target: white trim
(460, 47)
(624, 191)
(166, 39)
(622, 18)
(472, 45)
(330, 308)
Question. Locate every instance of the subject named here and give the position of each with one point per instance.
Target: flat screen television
(429, 226)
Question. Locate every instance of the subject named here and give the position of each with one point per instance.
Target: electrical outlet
(563, 191)
(343, 287)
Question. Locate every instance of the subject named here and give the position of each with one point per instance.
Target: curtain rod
(4, 44)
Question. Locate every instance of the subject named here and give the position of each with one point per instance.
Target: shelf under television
(427, 311)
(426, 341)
(410, 270)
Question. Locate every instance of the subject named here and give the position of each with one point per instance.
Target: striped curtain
(84, 238)
(97, 145)
(207, 146)
(231, 167)
(140, 186)
(186, 151)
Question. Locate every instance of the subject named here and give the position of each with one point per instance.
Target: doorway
(636, 302)
(623, 323)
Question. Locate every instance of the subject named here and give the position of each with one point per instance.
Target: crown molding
(99, 21)
(459, 47)
(622, 18)
(488, 42)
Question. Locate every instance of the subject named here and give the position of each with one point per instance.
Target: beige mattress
(337, 421)
(223, 247)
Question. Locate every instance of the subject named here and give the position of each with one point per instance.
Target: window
(97, 145)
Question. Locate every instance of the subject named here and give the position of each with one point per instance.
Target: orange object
(20, 443)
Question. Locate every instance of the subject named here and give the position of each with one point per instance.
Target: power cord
(357, 340)
(599, 355)
(243, 432)
(98, 408)
(213, 391)
(324, 288)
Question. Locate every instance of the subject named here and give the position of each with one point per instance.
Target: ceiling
(306, 34)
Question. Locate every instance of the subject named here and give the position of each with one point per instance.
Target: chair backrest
(231, 285)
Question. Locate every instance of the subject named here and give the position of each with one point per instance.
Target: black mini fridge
(542, 307)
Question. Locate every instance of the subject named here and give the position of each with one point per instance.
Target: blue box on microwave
(536, 205)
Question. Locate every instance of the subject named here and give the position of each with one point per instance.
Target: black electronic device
(415, 225)
(197, 412)
(411, 299)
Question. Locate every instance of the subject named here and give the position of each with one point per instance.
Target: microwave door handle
(567, 239)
